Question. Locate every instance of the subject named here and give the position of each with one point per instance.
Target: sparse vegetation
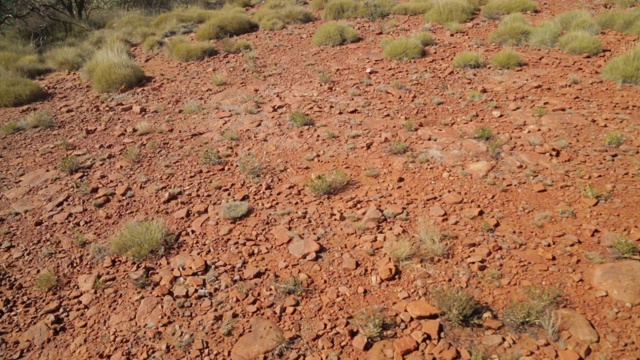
(47, 280)
(290, 286)
(372, 173)
(496, 8)
(507, 59)
(483, 133)
(468, 60)
(327, 184)
(211, 156)
(514, 30)
(371, 322)
(17, 91)
(12, 127)
(111, 69)
(450, 11)
(529, 311)
(275, 15)
(624, 247)
(398, 147)
(334, 34)
(413, 7)
(624, 69)
(403, 49)
(226, 24)
(249, 164)
(299, 119)
(181, 49)
(39, 119)
(70, 164)
(138, 240)
(580, 42)
(458, 306)
(399, 250)
(614, 139)
(234, 210)
(430, 238)
(219, 80)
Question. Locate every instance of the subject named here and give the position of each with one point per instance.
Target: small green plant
(371, 322)
(324, 78)
(514, 30)
(580, 42)
(430, 238)
(226, 24)
(529, 311)
(507, 59)
(403, 49)
(249, 164)
(334, 34)
(458, 306)
(624, 247)
(410, 125)
(483, 133)
(111, 69)
(624, 69)
(468, 60)
(17, 91)
(540, 111)
(234, 210)
(70, 164)
(47, 280)
(299, 119)
(328, 184)
(545, 35)
(219, 80)
(39, 119)
(152, 43)
(474, 96)
(341, 9)
(211, 156)
(398, 147)
(12, 127)
(275, 15)
(614, 139)
(138, 240)
(132, 154)
(425, 38)
(181, 49)
(372, 172)
(290, 286)
(450, 11)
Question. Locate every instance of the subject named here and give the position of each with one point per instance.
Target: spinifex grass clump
(111, 69)
(334, 34)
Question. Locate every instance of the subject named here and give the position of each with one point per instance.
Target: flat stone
(303, 248)
(437, 211)
(359, 342)
(492, 340)
(382, 350)
(577, 325)
(149, 312)
(452, 198)
(265, 336)
(432, 328)
(422, 309)
(539, 188)
(37, 334)
(478, 169)
(86, 282)
(405, 345)
(621, 280)
(568, 355)
(282, 235)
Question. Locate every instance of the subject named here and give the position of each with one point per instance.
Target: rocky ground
(292, 278)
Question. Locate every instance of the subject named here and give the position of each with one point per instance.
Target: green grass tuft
(545, 35)
(111, 69)
(514, 30)
(226, 24)
(403, 49)
(276, 19)
(497, 8)
(67, 57)
(580, 42)
(181, 49)
(450, 11)
(624, 69)
(626, 21)
(39, 119)
(46, 281)
(299, 119)
(334, 34)
(17, 91)
(425, 38)
(507, 59)
(327, 184)
(413, 7)
(457, 305)
(341, 9)
(138, 240)
(468, 60)
(578, 20)
(234, 210)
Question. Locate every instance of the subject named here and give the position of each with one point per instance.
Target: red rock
(405, 345)
(452, 198)
(387, 271)
(302, 248)
(422, 309)
(149, 312)
(359, 342)
(382, 350)
(432, 328)
(265, 336)
(568, 355)
(492, 340)
(539, 188)
(577, 325)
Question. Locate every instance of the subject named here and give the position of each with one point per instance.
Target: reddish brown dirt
(228, 272)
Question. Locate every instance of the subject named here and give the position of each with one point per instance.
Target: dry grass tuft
(111, 69)
(17, 91)
(334, 34)
(181, 49)
(138, 240)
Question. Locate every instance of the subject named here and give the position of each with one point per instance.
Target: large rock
(38, 334)
(149, 312)
(382, 350)
(303, 248)
(422, 309)
(264, 337)
(620, 279)
(577, 325)
(478, 169)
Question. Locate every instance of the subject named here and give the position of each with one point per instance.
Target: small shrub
(225, 25)
(250, 165)
(483, 133)
(372, 172)
(181, 49)
(413, 7)
(276, 19)
(70, 164)
(299, 119)
(17, 91)
(622, 3)
(211, 156)
(425, 38)
(138, 240)
(398, 147)
(545, 35)
(624, 247)
(12, 127)
(328, 184)
(623, 69)
(577, 20)
(39, 119)
(514, 30)
(507, 59)
(132, 154)
(290, 286)
(580, 42)
(234, 210)
(627, 21)
(143, 128)
(450, 11)
(468, 60)
(66, 57)
(334, 34)
(318, 4)
(400, 250)
(47, 280)
(376, 9)
(496, 8)
(192, 107)
(218, 80)
(371, 323)
(528, 312)
(614, 139)
(403, 49)
(430, 238)
(111, 69)
(152, 43)
(458, 306)
(341, 9)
